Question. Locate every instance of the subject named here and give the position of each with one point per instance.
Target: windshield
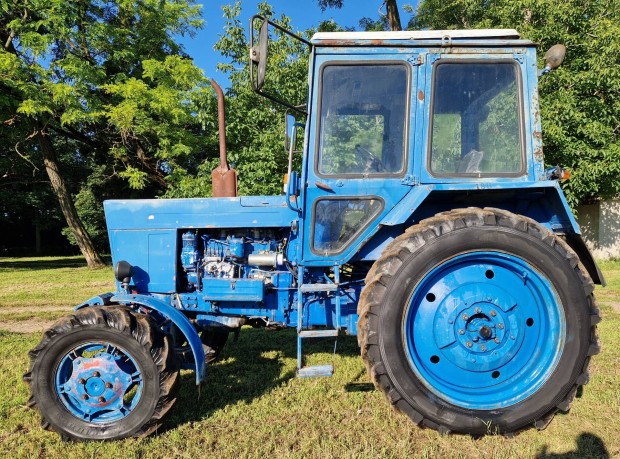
(476, 126)
(363, 110)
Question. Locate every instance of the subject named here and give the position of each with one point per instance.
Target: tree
(390, 19)
(580, 101)
(109, 79)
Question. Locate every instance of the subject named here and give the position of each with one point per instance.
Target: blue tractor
(422, 220)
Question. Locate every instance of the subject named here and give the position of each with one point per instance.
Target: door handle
(324, 186)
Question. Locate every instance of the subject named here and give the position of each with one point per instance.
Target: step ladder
(303, 292)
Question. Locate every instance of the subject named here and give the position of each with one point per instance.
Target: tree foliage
(254, 125)
(108, 81)
(580, 101)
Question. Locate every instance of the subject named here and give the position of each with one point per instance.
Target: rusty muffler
(223, 178)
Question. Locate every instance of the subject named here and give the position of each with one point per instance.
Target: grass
(50, 281)
(253, 406)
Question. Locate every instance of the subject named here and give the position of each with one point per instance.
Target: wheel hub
(94, 386)
(477, 332)
(93, 382)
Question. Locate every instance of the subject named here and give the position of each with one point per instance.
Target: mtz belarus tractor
(422, 220)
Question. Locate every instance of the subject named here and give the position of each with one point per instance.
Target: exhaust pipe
(223, 178)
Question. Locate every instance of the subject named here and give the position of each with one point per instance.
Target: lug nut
(461, 332)
(496, 340)
(465, 317)
(101, 400)
(493, 313)
(468, 344)
(96, 374)
(108, 385)
(478, 310)
(500, 326)
(84, 397)
(82, 381)
(483, 348)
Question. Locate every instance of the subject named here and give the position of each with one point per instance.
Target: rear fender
(543, 201)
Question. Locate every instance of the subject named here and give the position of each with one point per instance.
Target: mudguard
(170, 313)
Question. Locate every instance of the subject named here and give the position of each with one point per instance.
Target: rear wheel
(478, 321)
(103, 373)
(213, 342)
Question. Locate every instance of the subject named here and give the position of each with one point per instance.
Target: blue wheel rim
(484, 330)
(98, 382)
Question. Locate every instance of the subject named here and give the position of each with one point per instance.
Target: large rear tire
(479, 322)
(103, 373)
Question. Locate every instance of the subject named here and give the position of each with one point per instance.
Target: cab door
(358, 166)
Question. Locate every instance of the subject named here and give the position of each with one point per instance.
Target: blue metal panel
(151, 252)
(400, 213)
(533, 111)
(233, 289)
(240, 212)
(178, 319)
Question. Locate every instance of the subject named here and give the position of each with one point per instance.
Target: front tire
(478, 321)
(103, 373)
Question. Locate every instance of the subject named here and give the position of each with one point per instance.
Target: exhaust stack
(223, 178)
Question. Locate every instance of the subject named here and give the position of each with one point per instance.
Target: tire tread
(413, 239)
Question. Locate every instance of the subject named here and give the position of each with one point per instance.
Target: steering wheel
(373, 163)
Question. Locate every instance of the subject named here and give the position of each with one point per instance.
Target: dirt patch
(26, 326)
(34, 310)
(615, 306)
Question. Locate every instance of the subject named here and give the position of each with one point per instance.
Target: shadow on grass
(249, 368)
(588, 446)
(48, 263)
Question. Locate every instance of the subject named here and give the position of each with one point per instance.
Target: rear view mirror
(258, 57)
(553, 58)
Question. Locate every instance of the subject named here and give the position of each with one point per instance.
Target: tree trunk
(93, 260)
(37, 238)
(392, 14)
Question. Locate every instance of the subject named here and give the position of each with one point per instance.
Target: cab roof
(411, 37)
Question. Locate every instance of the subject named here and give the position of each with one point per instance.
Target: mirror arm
(298, 108)
(277, 26)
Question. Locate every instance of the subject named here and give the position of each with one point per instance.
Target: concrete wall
(600, 226)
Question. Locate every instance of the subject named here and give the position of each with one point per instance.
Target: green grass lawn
(253, 406)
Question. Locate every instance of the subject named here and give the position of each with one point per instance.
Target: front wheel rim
(484, 330)
(98, 382)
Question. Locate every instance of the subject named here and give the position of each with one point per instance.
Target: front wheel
(478, 321)
(103, 373)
